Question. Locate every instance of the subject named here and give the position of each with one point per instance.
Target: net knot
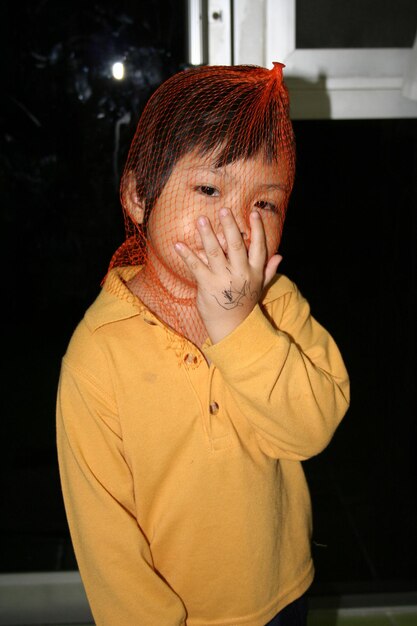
(276, 72)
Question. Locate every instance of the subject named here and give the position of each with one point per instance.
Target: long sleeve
(112, 551)
(287, 376)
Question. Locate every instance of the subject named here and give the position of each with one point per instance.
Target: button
(191, 358)
(214, 408)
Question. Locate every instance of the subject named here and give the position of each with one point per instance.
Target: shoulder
(102, 323)
(281, 288)
(283, 301)
(115, 301)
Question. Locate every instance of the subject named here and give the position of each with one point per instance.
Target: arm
(289, 381)
(112, 552)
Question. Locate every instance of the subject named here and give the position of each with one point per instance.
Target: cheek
(170, 222)
(272, 244)
(187, 228)
(272, 233)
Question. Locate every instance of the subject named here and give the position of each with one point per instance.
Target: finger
(191, 260)
(271, 268)
(215, 255)
(236, 249)
(257, 249)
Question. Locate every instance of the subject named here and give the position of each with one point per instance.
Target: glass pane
(355, 23)
(66, 126)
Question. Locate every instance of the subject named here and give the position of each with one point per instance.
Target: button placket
(219, 424)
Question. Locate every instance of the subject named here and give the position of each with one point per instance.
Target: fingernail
(178, 246)
(224, 212)
(202, 220)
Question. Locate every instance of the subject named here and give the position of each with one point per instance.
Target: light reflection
(118, 70)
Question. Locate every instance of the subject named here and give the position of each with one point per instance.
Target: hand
(231, 282)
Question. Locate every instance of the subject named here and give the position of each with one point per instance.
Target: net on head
(209, 137)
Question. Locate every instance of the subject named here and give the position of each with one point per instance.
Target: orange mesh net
(209, 137)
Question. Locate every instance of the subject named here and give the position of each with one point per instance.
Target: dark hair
(236, 111)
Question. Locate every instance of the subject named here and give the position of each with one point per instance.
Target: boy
(198, 380)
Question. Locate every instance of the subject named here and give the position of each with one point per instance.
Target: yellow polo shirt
(183, 487)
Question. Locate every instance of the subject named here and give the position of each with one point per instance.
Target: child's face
(195, 187)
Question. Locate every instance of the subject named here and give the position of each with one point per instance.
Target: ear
(130, 199)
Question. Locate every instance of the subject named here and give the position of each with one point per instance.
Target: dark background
(349, 243)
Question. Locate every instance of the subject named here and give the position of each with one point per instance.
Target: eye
(208, 190)
(266, 206)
